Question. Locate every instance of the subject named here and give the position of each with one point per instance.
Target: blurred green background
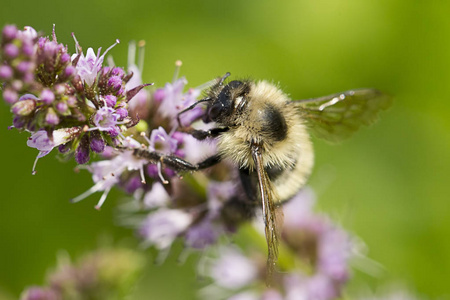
(388, 184)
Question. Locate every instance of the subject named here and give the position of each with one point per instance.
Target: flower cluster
(318, 252)
(175, 208)
(104, 274)
(52, 92)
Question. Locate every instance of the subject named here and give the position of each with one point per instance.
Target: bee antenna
(227, 74)
(189, 108)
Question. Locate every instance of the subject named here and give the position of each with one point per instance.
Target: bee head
(226, 101)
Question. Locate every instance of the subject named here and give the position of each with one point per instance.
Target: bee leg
(249, 182)
(176, 163)
(203, 134)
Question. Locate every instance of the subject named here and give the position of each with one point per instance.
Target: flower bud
(11, 50)
(64, 148)
(25, 66)
(105, 71)
(28, 32)
(122, 112)
(65, 58)
(47, 96)
(115, 82)
(24, 107)
(28, 49)
(110, 100)
(17, 85)
(51, 118)
(28, 78)
(6, 72)
(10, 96)
(50, 48)
(19, 122)
(9, 33)
(69, 71)
(97, 143)
(82, 151)
(72, 101)
(159, 95)
(77, 83)
(60, 89)
(118, 72)
(62, 107)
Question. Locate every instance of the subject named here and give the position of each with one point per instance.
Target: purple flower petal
(159, 139)
(106, 119)
(42, 142)
(88, 66)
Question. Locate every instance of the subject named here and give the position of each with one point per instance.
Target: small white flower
(233, 270)
(156, 197)
(163, 226)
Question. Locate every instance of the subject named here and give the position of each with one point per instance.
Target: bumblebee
(266, 135)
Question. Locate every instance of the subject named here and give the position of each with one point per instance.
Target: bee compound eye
(215, 111)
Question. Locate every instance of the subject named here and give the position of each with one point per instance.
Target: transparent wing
(336, 117)
(270, 213)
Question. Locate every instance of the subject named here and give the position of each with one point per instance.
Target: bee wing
(336, 117)
(270, 212)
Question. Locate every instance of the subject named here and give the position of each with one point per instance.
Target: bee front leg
(203, 134)
(176, 163)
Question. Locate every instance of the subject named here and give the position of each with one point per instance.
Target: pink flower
(163, 226)
(106, 173)
(173, 100)
(106, 119)
(41, 141)
(88, 66)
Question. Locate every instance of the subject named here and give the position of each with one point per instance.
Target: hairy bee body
(265, 134)
(266, 116)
